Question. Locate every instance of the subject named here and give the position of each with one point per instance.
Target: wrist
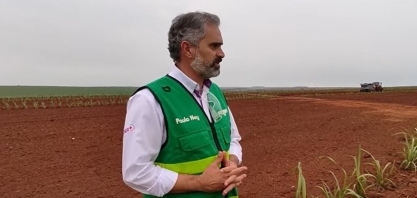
(234, 159)
(188, 183)
(199, 183)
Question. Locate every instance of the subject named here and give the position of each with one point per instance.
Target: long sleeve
(235, 147)
(143, 135)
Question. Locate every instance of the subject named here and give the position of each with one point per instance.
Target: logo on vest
(187, 119)
(216, 110)
(222, 113)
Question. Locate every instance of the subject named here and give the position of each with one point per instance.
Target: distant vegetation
(53, 91)
(42, 91)
(35, 97)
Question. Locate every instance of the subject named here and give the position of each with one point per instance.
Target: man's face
(209, 54)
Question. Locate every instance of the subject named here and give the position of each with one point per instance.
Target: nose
(220, 53)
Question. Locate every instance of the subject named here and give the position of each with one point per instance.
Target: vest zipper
(216, 139)
(213, 129)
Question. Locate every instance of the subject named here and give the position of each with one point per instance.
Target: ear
(187, 49)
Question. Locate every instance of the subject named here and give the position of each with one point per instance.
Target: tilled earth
(76, 152)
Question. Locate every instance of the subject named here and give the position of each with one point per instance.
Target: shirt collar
(188, 83)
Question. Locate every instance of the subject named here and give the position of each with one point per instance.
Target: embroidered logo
(130, 128)
(187, 119)
(216, 110)
(166, 88)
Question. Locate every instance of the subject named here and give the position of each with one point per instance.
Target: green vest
(192, 141)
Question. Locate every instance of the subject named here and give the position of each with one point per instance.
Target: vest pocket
(226, 134)
(195, 140)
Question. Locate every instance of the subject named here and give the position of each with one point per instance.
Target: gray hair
(188, 27)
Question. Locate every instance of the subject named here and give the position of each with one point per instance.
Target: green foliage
(301, 191)
(381, 176)
(361, 182)
(49, 91)
(340, 190)
(354, 185)
(410, 150)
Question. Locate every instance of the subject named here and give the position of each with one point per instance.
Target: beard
(204, 68)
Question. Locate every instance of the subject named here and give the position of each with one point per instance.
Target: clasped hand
(225, 179)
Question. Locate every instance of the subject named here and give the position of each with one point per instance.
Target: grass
(341, 189)
(410, 150)
(40, 91)
(381, 176)
(29, 97)
(361, 183)
(301, 191)
(61, 102)
(55, 91)
(35, 97)
(357, 184)
(41, 97)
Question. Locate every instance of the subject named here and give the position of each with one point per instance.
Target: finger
(218, 159)
(240, 178)
(237, 171)
(230, 180)
(229, 188)
(225, 161)
(227, 169)
(233, 170)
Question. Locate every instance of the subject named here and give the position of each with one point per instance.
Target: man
(180, 138)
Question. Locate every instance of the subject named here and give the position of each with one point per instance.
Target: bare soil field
(76, 152)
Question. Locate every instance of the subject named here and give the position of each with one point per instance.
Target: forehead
(213, 34)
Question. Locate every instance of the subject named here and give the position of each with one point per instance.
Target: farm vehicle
(371, 87)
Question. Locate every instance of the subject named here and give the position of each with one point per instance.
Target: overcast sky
(273, 43)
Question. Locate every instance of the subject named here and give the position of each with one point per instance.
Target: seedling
(410, 151)
(339, 190)
(301, 191)
(381, 176)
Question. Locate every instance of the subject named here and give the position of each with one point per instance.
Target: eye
(215, 45)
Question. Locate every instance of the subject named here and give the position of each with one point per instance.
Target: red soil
(39, 158)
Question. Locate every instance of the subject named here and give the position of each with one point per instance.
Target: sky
(320, 43)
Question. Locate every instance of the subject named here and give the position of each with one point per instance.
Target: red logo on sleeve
(130, 128)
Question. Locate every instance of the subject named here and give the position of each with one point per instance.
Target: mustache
(216, 61)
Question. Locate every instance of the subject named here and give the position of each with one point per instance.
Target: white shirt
(145, 133)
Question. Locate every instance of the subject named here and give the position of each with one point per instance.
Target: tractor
(371, 87)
